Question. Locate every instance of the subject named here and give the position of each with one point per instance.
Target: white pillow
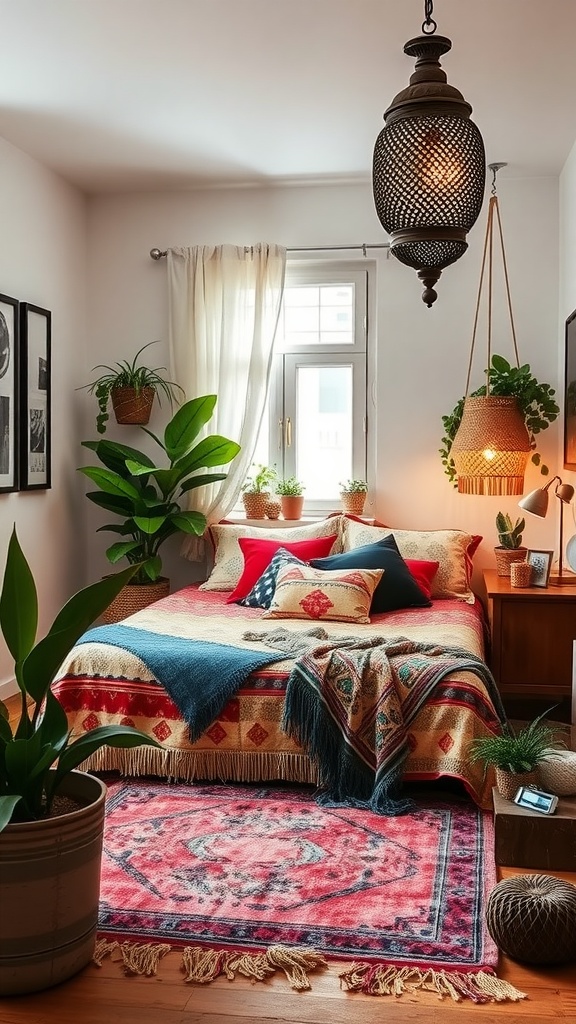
(228, 557)
(453, 549)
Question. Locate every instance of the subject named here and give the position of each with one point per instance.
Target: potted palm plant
(291, 493)
(353, 496)
(146, 497)
(256, 490)
(131, 389)
(51, 815)
(515, 754)
(510, 548)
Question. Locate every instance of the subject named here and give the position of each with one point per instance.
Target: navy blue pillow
(397, 588)
(263, 590)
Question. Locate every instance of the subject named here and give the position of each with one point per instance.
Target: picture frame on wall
(541, 562)
(35, 397)
(9, 362)
(570, 394)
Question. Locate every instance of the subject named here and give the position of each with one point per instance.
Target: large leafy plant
(146, 497)
(536, 402)
(41, 738)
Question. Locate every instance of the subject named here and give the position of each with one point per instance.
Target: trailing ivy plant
(536, 402)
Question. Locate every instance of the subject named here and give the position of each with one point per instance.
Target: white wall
(422, 353)
(567, 296)
(43, 260)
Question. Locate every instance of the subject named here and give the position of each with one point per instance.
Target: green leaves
(18, 603)
(186, 424)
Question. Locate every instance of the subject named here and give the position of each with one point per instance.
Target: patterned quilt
(100, 684)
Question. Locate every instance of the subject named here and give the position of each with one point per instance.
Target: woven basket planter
(499, 418)
(353, 502)
(131, 406)
(255, 504)
(508, 783)
(134, 597)
(505, 557)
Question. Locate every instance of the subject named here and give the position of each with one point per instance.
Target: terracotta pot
(134, 597)
(131, 406)
(49, 891)
(255, 503)
(353, 502)
(508, 783)
(291, 505)
(505, 557)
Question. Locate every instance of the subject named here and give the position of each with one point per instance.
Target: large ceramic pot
(49, 891)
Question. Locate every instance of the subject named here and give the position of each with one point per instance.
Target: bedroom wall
(567, 298)
(422, 354)
(42, 260)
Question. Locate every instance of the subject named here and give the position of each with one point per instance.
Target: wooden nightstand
(532, 630)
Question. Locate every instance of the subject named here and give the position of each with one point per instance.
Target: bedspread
(100, 685)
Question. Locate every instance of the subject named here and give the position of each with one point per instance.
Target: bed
(102, 684)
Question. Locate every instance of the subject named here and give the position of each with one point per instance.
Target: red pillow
(423, 573)
(258, 555)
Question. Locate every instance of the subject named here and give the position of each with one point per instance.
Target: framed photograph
(570, 394)
(9, 357)
(35, 397)
(541, 562)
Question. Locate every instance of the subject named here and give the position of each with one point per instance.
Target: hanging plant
(536, 402)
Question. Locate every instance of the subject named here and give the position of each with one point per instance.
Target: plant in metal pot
(131, 388)
(147, 498)
(48, 809)
(535, 400)
(515, 753)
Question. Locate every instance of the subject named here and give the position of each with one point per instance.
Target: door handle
(288, 437)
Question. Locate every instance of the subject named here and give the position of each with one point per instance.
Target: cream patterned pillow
(228, 557)
(341, 595)
(453, 549)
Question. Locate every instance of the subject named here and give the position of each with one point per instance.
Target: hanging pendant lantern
(429, 165)
(491, 446)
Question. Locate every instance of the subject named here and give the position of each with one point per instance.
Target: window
(315, 425)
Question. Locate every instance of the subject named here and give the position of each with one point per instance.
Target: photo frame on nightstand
(541, 562)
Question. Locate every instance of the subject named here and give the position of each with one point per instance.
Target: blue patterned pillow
(263, 590)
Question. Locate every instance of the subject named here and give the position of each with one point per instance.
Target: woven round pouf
(532, 918)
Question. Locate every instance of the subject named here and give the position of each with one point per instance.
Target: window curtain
(224, 303)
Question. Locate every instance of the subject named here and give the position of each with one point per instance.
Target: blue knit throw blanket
(199, 676)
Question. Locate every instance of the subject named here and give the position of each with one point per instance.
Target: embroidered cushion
(452, 549)
(258, 554)
(263, 590)
(303, 592)
(228, 559)
(396, 589)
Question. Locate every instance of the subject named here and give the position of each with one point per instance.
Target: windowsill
(286, 523)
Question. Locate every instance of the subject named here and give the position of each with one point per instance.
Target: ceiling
(125, 95)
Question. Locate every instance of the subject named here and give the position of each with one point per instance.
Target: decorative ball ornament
(429, 167)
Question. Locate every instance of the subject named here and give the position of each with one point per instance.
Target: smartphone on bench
(536, 800)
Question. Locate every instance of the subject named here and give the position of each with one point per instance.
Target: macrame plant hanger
(491, 446)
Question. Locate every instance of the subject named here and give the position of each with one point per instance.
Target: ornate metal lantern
(429, 165)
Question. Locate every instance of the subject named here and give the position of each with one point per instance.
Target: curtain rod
(157, 254)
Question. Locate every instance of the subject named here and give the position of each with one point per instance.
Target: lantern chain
(429, 26)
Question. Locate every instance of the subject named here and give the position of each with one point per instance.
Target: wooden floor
(103, 995)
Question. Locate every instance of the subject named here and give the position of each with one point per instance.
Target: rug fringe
(205, 965)
(137, 958)
(388, 980)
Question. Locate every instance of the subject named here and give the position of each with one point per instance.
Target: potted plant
(51, 816)
(256, 490)
(515, 755)
(536, 402)
(146, 497)
(353, 496)
(510, 548)
(291, 493)
(131, 389)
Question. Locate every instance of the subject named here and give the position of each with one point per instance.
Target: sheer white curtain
(224, 303)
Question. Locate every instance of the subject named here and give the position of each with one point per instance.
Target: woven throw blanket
(350, 702)
(199, 676)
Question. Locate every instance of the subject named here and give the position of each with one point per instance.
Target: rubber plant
(536, 402)
(41, 738)
(147, 497)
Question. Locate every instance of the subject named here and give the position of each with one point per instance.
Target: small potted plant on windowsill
(257, 489)
(510, 548)
(131, 389)
(353, 496)
(515, 755)
(291, 493)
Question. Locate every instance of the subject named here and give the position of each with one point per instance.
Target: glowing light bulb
(489, 454)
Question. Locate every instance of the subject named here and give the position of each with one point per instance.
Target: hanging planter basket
(131, 405)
